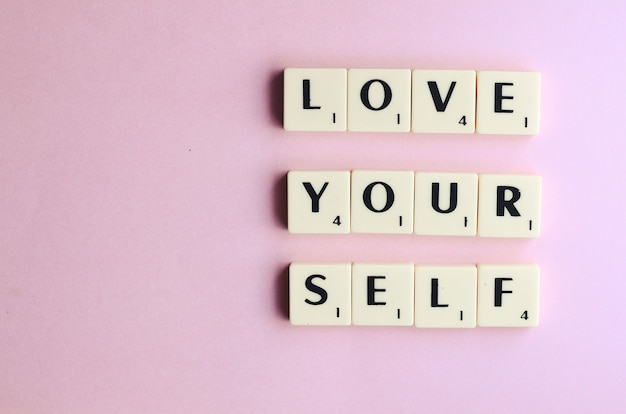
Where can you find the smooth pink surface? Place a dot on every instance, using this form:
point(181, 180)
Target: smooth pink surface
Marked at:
point(143, 249)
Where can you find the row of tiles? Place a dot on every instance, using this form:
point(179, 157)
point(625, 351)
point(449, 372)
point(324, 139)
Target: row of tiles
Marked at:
point(403, 294)
point(400, 100)
point(404, 202)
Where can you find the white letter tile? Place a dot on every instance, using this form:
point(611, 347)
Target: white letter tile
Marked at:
point(508, 295)
point(319, 293)
point(315, 99)
point(382, 201)
point(445, 296)
point(382, 294)
point(446, 204)
point(379, 100)
point(508, 103)
point(509, 205)
point(318, 201)
point(444, 101)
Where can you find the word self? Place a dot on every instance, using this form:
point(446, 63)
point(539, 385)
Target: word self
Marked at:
point(424, 203)
point(400, 100)
point(426, 296)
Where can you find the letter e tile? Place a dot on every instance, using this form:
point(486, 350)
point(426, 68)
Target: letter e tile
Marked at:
point(382, 294)
point(508, 103)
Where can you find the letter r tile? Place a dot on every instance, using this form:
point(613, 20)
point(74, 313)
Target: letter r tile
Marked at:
point(509, 205)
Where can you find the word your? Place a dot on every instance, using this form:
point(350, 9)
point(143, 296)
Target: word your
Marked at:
point(452, 296)
point(424, 203)
point(399, 100)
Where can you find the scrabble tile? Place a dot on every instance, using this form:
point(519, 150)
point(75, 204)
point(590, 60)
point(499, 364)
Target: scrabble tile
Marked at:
point(319, 293)
point(508, 103)
point(509, 205)
point(382, 294)
point(508, 295)
point(318, 201)
point(445, 296)
point(444, 101)
point(382, 201)
point(315, 99)
point(379, 100)
point(446, 203)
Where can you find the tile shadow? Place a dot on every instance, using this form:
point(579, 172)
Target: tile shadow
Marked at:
point(280, 200)
point(276, 97)
point(282, 292)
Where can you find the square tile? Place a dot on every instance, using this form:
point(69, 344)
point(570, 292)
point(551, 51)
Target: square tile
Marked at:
point(509, 205)
point(508, 295)
point(446, 203)
point(444, 101)
point(445, 296)
point(318, 201)
point(319, 293)
point(382, 201)
point(382, 294)
point(315, 99)
point(379, 100)
point(508, 103)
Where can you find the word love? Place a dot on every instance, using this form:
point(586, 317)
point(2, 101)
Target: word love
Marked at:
point(424, 203)
point(424, 101)
point(453, 296)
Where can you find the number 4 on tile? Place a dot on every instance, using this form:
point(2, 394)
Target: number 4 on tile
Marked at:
point(508, 295)
point(318, 201)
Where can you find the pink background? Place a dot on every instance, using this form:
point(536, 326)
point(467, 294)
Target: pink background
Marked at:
point(143, 247)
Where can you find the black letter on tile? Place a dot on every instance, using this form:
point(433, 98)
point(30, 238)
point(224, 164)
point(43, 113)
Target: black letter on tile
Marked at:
point(371, 290)
point(365, 98)
point(499, 97)
point(367, 197)
point(454, 187)
point(498, 291)
point(306, 95)
point(434, 92)
point(434, 294)
point(501, 203)
point(316, 289)
point(315, 197)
